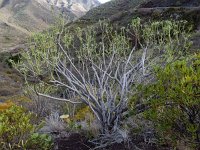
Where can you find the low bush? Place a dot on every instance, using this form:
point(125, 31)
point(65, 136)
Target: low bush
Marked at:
point(174, 102)
point(17, 130)
point(39, 141)
point(15, 127)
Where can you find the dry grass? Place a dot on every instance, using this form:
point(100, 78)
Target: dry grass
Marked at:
point(54, 123)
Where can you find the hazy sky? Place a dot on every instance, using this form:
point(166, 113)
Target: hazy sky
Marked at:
point(103, 1)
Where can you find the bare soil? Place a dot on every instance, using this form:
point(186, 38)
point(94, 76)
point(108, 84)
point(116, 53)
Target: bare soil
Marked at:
point(77, 141)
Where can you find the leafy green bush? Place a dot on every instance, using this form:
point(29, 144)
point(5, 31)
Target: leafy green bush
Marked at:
point(174, 101)
point(39, 141)
point(17, 131)
point(15, 127)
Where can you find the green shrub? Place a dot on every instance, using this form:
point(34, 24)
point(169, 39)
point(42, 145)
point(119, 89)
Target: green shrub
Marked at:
point(174, 101)
point(17, 131)
point(15, 127)
point(39, 141)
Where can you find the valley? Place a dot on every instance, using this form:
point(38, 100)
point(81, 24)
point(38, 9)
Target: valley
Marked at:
point(19, 19)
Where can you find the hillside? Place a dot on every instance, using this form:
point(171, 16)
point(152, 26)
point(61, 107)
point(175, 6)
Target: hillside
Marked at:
point(19, 18)
point(121, 12)
point(131, 83)
point(171, 3)
point(105, 11)
point(77, 7)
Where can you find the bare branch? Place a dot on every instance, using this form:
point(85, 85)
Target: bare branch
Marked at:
point(59, 99)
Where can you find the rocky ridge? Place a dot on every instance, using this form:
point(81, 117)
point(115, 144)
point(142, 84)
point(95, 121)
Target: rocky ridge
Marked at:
point(19, 18)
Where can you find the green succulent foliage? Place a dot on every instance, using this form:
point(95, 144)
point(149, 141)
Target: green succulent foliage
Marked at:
point(93, 42)
point(174, 101)
point(39, 141)
point(38, 60)
point(168, 37)
point(15, 127)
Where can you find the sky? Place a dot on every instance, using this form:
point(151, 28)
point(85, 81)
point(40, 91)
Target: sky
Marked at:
point(103, 1)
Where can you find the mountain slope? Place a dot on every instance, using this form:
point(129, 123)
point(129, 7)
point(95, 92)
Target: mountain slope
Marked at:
point(171, 3)
point(111, 8)
point(121, 12)
point(78, 7)
point(19, 18)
